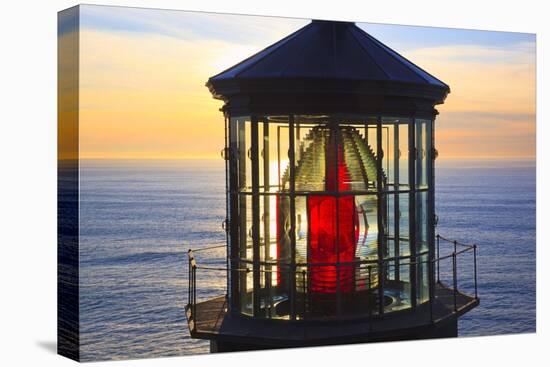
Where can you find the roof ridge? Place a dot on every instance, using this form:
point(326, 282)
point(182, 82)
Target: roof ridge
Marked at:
point(366, 52)
point(394, 55)
point(275, 47)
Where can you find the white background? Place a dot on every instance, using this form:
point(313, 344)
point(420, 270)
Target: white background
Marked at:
point(28, 44)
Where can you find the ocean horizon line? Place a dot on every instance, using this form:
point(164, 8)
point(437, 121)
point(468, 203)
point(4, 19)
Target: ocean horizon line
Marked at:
point(217, 158)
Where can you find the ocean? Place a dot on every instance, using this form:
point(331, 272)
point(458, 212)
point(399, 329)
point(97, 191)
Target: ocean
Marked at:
point(139, 218)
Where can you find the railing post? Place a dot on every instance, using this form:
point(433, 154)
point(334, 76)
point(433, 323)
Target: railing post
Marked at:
point(438, 264)
point(370, 299)
point(432, 288)
point(269, 276)
point(305, 292)
point(475, 269)
point(381, 271)
point(195, 294)
point(454, 280)
point(454, 243)
point(189, 255)
point(292, 291)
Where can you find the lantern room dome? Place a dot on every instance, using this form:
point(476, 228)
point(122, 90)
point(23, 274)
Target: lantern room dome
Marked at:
point(328, 57)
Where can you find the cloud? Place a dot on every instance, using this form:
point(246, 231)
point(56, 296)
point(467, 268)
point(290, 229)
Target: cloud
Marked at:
point(143, 94)
point(483, 79)
point(404, 38)
point(490, 80)
point(186, 25)
point(491, 109)
point(474, 134)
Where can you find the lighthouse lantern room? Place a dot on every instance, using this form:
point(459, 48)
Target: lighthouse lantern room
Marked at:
point(330, 155)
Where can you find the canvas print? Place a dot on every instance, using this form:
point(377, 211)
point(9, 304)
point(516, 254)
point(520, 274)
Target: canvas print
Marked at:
point(235, 183)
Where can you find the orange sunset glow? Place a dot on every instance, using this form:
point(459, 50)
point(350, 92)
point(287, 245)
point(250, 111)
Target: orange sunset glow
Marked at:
point(143, 73)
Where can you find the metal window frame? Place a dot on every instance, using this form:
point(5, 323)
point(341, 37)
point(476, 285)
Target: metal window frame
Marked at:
point(226, 157)
point(417, 212)
point(254, 149)
point(431, 213)
point(292, 188)
point(236, 168)
point(242, 212)
point(380, 215)
point(396, 212)
point(412, 208)
point(235, 199)
point(266, 208)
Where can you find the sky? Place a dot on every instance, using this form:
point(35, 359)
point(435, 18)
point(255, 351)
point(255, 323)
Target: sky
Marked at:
point(143, 74)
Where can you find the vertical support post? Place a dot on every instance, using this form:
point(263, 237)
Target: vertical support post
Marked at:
point(430, 208)
point(304, 296)
point(387, 129)
point(292, 181)
point(194, 306)
point(227, 207)
point(189, 277)
point(336, 139)
point(412, 210)
point(254, 150)
point(266, 214)
point(370, 298)
point(233, 253)
point(475, 270)
point(380, 217)
point(241, 231)
point(279, 183)
point(455, 280)
point(396, 245)
point(432, 289)
point(278, 268)
point(270, 294)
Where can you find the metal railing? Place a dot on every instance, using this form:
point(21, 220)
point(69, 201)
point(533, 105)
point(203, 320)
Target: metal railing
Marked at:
point(454, 256)
point(304, 310)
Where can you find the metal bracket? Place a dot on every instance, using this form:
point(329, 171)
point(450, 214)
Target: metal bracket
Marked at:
point(435, 153)
point(224, 153)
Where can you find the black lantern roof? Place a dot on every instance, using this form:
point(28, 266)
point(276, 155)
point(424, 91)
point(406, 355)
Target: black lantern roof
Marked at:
point(321, 61)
